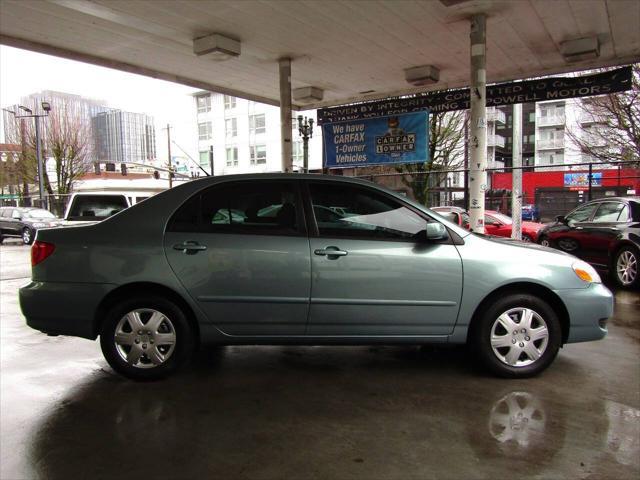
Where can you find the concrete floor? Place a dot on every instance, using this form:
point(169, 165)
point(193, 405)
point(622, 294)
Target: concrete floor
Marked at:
point(314, 412)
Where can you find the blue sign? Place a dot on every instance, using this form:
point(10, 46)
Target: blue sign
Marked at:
point(582, 179)
point(377, 141)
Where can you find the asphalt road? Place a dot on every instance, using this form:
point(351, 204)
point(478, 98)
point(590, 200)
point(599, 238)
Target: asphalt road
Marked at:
point(314, 412)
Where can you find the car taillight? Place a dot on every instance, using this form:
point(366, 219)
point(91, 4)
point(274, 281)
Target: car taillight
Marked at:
point(40, 251)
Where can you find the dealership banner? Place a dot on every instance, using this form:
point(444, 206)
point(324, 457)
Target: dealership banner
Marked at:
point(581, 180)
point(552, 88)
point(377, 141)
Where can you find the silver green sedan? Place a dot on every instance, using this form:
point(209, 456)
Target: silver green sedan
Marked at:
point(304, 259)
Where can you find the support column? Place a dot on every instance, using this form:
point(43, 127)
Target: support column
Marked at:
point(478, 127)
point(516, 173)
point(285, 114)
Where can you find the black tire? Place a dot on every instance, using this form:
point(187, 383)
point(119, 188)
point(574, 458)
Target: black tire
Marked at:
point(28, 236)
point(544, 241)
point(144, 369)
point(487, 325)
point(527, 238)
point(1, 238)
point(630, 276)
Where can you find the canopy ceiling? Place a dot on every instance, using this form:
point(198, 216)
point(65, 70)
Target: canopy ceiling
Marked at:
point(353, 50)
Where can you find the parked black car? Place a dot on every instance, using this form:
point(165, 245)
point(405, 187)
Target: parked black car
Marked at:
point(25, 222)
point(604, 232)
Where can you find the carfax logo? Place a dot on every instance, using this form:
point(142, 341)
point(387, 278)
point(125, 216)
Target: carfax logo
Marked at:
point(396, 141)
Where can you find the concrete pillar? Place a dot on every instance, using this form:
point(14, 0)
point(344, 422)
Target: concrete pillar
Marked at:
point(516, 173)
point(478, 127)
point(285, 114)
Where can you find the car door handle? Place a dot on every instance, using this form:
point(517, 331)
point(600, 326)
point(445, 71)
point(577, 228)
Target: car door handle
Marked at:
point(189, 247)
point(330, 252)
point(579, 228)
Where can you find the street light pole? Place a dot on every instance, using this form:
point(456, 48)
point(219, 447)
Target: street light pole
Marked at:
point(46, 106)
point(43, 199)
point(305, 128)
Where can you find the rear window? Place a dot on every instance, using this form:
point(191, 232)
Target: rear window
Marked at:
point(96, 207)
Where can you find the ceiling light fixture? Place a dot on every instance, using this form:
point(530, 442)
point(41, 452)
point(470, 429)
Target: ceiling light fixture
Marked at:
point(216, 47)
point(424, 75)
point(307, 94)
point(580, 49)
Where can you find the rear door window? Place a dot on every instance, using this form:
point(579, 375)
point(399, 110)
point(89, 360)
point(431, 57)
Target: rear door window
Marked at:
point(254, 208)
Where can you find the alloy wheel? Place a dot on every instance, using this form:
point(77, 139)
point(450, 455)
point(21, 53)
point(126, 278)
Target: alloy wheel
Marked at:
point(519, 337)
point(145, 338)
point(26, 236)
point(627, 267)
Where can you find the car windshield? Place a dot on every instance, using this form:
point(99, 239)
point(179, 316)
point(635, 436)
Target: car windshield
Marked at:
point(96, 207)
point(39, 213)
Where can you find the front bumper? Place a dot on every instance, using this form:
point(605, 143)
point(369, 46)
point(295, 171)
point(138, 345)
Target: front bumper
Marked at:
point(588, 308)
point(60, 308)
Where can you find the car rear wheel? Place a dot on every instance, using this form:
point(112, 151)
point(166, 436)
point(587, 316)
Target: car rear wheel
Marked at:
point(146, 338)
point(27, 236)
point(626, 267)
point(517, 336)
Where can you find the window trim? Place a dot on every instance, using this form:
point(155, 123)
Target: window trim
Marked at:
point(301, 231)
point(314, 232)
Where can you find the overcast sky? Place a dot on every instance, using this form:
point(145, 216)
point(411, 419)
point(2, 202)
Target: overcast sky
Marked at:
point(23, 72)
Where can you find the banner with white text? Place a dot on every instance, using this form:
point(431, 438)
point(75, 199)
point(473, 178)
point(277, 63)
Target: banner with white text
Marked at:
point(377, 141)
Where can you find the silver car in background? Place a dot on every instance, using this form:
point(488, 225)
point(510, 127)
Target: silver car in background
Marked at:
point(304, 259)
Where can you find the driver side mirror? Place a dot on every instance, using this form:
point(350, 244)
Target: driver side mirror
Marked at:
point(560, 219)
point(432, 232)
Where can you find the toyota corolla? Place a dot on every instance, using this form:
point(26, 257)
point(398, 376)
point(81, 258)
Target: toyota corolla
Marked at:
point(304, 259)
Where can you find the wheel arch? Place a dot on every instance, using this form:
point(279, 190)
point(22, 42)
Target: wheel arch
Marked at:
point(144, 288)
point(540, 291)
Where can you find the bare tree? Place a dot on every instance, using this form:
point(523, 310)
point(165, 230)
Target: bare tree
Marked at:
point(609, 127)
point(66, 138)
point(446, 152)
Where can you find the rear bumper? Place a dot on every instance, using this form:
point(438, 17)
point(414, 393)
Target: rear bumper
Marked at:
point(588, 308)
point(63, 308)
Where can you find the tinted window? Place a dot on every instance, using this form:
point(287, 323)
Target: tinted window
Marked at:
point(96, 207)
point(346, 211)
point(609, 212)
point(6, 212)
point(261, 208)
point(581, 214)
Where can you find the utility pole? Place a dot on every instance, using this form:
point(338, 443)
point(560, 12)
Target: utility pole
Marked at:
point(211, 159)
point(516, 173)
point(169, 155)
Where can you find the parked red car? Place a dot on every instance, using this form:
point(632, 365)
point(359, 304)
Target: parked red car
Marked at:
point(495, 223)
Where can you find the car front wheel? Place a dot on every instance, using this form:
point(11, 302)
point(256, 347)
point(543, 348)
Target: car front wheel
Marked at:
point(146, 338)
point(544, 241)
point(626, 267)
point(517, 336)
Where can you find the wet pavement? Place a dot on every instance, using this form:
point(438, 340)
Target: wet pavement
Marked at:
point(314, 412)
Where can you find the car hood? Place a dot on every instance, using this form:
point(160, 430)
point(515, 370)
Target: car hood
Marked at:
point(517, 243)
point(532, 225)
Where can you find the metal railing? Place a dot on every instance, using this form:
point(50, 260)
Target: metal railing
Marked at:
point(550, 121)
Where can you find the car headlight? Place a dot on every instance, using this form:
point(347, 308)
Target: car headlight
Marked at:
point(586, 272)
point(39, 224)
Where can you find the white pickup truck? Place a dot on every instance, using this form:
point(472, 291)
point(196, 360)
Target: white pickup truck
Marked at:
point(95, 207)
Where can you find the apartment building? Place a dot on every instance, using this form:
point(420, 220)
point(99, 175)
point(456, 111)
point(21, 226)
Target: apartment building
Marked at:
point(245, 136)
point(548, 129)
